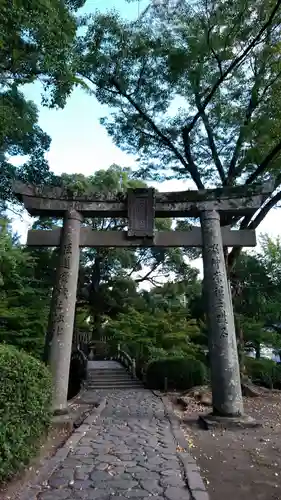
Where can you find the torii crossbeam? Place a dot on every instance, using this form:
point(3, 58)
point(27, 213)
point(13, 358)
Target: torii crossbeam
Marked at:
point(140, 207)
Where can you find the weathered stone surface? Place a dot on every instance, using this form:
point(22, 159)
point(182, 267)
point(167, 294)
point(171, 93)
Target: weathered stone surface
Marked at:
point(57, 495)
point(102, 466)
point(175, 480)
point(169, 472)
point(151, 486)
point(195, 481)
point(98, 476)
point(92, 494)
point(59, 481)
point(200, 495)
point(114, 460)
point(156, 460)
point(146, 475)
point(136, 493)
point(96, 239)
point(177, 494)
point(56, 192)
point(61, 320)
point(81, 485)
point(82, 473)
point(225, 373)
point(84, 450)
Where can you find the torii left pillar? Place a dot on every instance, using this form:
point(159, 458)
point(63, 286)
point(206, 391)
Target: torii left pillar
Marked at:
point(63, 309)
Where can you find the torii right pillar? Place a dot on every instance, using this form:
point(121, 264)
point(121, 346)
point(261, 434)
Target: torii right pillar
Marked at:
point(225, 373)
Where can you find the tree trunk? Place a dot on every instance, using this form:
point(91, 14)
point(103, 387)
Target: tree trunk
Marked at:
point(241, 346)
point(96, 332)
point(258, 350)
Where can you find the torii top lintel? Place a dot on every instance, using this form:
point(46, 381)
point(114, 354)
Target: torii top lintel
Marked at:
point(56, 201)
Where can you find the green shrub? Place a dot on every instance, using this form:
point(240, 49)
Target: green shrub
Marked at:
point(181, 373)
point(25, 396)
point(264, 372)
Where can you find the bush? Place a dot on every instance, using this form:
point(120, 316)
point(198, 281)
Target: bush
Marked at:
point(181, 373)
point(25, 410)
point(264, 372)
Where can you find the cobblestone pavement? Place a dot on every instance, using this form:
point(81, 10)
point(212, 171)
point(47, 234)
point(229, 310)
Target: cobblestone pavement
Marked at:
point(129, 453)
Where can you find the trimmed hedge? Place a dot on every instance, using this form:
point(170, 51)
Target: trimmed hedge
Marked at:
point(264, 372)
point(25, 408)
point(181, 373)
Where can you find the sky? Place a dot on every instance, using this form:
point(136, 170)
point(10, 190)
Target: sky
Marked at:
point(81, 145)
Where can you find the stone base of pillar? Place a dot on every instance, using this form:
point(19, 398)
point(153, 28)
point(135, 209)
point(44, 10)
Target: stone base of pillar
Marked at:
point(211, 421)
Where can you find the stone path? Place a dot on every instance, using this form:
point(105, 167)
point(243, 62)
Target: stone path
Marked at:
point(130, 452)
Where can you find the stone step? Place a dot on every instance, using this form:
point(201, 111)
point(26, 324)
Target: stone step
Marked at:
point(113, 382)
point(94, 376)
point(117, 375)
point(105, 372)
point(120, 379)
point(102, 385)
point(111, 378)
point(113, 387)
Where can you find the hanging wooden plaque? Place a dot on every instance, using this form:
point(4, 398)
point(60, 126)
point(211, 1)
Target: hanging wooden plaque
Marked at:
point(141, 212)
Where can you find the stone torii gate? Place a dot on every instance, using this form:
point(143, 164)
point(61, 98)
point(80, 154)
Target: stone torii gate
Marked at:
point(140, 207)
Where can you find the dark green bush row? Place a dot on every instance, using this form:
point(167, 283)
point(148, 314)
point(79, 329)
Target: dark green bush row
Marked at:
point(25, 396)
point(181, 373)
point(264, 372)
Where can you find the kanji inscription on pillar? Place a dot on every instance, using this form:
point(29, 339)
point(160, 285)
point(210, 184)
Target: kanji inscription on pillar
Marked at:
point(141, 212)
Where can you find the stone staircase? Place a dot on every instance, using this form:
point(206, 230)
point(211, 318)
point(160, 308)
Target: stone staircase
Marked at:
point(109, 375)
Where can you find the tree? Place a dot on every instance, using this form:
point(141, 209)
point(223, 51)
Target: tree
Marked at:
point(193, 91)
point(146, 336)
point(109, 277)
point(25, 291)
point(36, 40)
point(21, 135)
point(256, 298)
point(270, 258)
point(161, 324)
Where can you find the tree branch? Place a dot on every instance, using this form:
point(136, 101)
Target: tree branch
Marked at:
point(93, 83)
point(213, 50)
point(142, 253)
point(189, 157)
point(235, 252)
point(234, 65)
point(232, 256)
point(264, 211)
point(275, 79)
point(210, 136)
point(140, 77)
point(195, 175)
point(264, 164)
point(253, 103)
point(147, 275)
